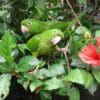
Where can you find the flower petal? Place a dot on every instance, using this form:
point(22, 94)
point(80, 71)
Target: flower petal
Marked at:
point(98, 41)
point(90, 55)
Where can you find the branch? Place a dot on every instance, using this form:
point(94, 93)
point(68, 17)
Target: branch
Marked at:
point(75, 15)
point(96, 4)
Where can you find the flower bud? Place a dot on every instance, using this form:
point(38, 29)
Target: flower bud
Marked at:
point(87, 35)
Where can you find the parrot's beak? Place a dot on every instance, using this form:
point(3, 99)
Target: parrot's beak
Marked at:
point(24, 29)
point(56, 40)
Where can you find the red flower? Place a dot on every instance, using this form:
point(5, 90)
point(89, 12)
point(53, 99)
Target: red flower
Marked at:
point(98, 41)
point(90, 55)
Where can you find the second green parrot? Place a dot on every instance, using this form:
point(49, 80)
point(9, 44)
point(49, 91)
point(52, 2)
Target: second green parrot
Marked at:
point(46, 42)
point(35, 26)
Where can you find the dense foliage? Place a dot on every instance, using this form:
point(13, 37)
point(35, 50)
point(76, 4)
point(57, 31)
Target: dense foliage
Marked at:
point(59, 72)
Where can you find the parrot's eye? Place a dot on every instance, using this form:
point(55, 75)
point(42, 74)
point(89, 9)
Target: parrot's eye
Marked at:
point(55, 31)
point(29, 23)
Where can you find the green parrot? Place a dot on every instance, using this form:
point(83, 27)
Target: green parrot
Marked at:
point(35, 26)
point(46, 42)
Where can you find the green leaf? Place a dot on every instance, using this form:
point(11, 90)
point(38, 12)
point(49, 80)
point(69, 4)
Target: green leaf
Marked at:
point(81, 1)
point(35, 84)
point(63, 91)
point(1, 28)
point(76, 43)
point(23, 47)
point(92, 88)
point(60, 61)
point(82, 30)
point(74, 94)
point(75, 75)
point(43, 73)
point(56, 69)
point(41, 8)
point(88, 78)
point(52, 71)
point(7, 44)
point(2, 60)
point(29, 80)
point(4, 85)
point(97, 33)
point(42, 63)
point(27, 63)
point(54, 1)
point(24, 82)
point(53, 83)
point(7, 68)
point(30, 4)
point(96, 74)
point(45, 95)
point(29, 76)
point(80, 76)
point(3, 13)
point(77, 62)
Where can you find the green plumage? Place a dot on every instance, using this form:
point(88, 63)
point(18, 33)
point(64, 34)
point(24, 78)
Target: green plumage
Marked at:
point(42, 44)
point(36, 26)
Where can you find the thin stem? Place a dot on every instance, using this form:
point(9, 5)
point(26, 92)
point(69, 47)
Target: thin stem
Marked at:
point(65, 50)
point(34, 71)
point(96, 4)
point(5, 27)
point(67, 61)
point(75, 15)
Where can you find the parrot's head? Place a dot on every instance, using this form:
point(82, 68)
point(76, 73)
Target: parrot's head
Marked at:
point(29, 25)
point(57, 36)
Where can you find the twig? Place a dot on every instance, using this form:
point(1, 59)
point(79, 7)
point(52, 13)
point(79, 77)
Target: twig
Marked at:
point(5, 27)
point(75, 15)
point(65, 50)
point(33, 71)
point(66, 58)
point(96, 4)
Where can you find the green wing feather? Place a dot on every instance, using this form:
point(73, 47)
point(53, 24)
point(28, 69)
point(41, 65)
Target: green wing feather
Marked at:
point(33, 43)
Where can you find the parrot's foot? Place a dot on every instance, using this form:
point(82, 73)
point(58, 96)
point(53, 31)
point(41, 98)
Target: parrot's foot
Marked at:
point(64, 50)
